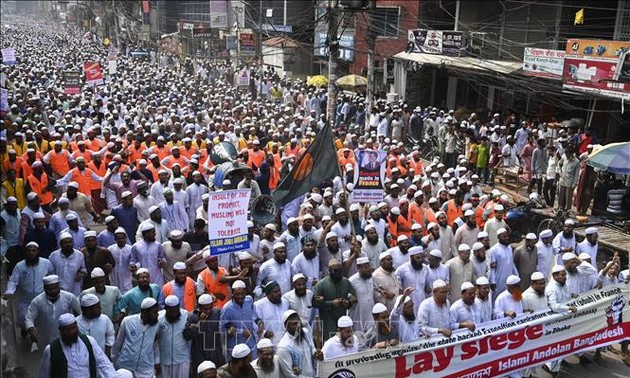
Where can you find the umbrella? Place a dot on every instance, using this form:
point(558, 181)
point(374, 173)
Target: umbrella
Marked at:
point(317, 81)
point(352, 81)
point(614, 157)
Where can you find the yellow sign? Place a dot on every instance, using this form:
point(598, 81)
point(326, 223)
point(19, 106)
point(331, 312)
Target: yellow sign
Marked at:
point(106, 41)
point(579, 17)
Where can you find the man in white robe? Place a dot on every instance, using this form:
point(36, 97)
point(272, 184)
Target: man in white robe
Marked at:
point(361, 312)
point(484, 299)
point(589, 245)
point(268, 312)
point(414, 274)
point(509, 303)
point(92, 322)
point(465, 311)
point(460, 270)
point(545, 252)
point(343, 343)
point(502, 261)
point(434, 314)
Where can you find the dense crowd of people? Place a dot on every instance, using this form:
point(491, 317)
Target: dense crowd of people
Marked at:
point(330, 277)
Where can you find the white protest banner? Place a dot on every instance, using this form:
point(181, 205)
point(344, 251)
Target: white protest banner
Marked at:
point(4, 101)
point(543, 63)
point(8, 56)
point(502, 346)
point(227, 221)
point(112, 67)
point(369, 176)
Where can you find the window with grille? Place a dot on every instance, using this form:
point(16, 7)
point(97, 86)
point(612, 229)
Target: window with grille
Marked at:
point(385, 22)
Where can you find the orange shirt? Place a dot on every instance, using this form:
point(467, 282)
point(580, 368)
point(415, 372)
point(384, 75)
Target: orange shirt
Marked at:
point(213, 286)
point(452, 212)
point(190, 299)
point(94, 145)
point(38, 186)
point(256, 158)
point(59, 162)
point(17, 165)
point(101, 171)
point(84, 179)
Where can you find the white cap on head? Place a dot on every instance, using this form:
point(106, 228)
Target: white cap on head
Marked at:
point(557, 268)
point(584, 256)
point(238, 284)
point(569, 256)
point(477, 246)
point(531, 236)
point(206, 365)
point(109, 218)
point(180, 265)
point(71, 216)
point(51, 279)
point(438, 284)
point(270, 226)
point(415, 250)
point(73, 184)
point(171, 301)
point(569, 222)
point(482, 234)
point(310, 216)
point(32, 244)
point(498, 207)
point(120, 230)
point(297, 277)
point(264, 343)
point(340, 210)
point(344, 322)
point(378, 308)
point(291, 220)
point(469, 213)
point(176, 235)
point(89, 300)
point(141, 271)
point(39, 216)
point(147, 227)
point(97, 272)
point(513, 280)
point(286, 315)
point(591, 231)
point(363, 260)
point(66, 319)
point(402, 237)
point(148, 303)
point(240, 351)
point(126, 194)
point(501, 230)
point(205, 299)
point(463, 247)
point(546, 234)
point(383, 255)
point(89, 234)
point(436, 253)
point(243, 255)
point(482, 281)
point(416, 226)
point(467, 285)
point(537, 276)
point(331, 234)
point(65, 235)
point(63, 201)
point(153, 208)
point(277, 245)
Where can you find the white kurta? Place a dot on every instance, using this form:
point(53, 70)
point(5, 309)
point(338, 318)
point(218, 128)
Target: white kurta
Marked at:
point(485, 308)
point(410, 277)
point(385, 281)
point(101, 329)
point(431, 317)
point(333, 348)
point(271, 270)
point(271, 316)
point(462, 312)
point(532, 301)
point(586, 247)
point(77, 357)
point(506, 302)
point(545, 259)
point(361, 312)
point(309, 268)
point(502, 255)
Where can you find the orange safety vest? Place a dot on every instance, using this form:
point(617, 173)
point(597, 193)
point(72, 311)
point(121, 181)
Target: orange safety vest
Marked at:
point(38, 186)
point(84, 179)
point(215, 286)
point(415, 213)
point(274, 177)
point(93, 145)
point(393, 231)
point(187, 152)
point(136, 153)
point(190, 298)
point(403, 225)
point(256, 158)
point(26, 169)
point(59, 162)
point(102, 171)
point(181, 160)
point(418, 169)
point(452, 212)
point(17, 165)
point(161, 152)
point(86, 155)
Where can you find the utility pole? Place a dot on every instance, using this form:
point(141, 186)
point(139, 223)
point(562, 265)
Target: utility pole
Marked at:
point(371, 42)
point(333, 51)
point(261, 60)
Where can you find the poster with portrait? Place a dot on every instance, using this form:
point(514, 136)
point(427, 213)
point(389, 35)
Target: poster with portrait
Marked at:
point(369, 175)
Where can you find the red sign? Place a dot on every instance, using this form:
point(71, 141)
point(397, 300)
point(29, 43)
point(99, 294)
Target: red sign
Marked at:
point(590, 66)
point(93, 73)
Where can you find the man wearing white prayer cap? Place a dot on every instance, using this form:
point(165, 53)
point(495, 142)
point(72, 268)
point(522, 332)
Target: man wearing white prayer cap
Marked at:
point(69, 263)
point(434, 315)
point(382, 334)
point(237, 318)
point(363, 285)
point(131, 302)
point(155, 219)
point(502, 259)
point(174, 357)
point(509, 303)
point(27, 280)
point(79, 354)
point(121, 251)
point(526, 259)
point(74, 230)
point(589, 245)
point(343, 343)
point(534, 298)
point(565, 241)
point(460, 270)
point(297, 342)
point(182, 286)
point(239, 365)
point(300, 298)
point(484, 298)
point(96, 256)
point(42, 313)
point(276, 269)
point(403, 317)
point(545, 252)
point(581, 276)
point(465, 311)
point(386, 284)
point(207, 369)
point(175, 249)
point(206, 341)
point(437, 270)
point(92, 322)
point(148, 253)
point(266, 365)
point(133, 348)
point(494, 224)
point(414, 273)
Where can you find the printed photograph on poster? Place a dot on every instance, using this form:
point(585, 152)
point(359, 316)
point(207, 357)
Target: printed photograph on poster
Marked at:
point(227, 221)
point(369, 175)
point(71, 82)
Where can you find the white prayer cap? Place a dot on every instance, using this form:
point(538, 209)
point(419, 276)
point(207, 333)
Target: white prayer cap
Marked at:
point(557, 268)
point(513, 280)
point(370, 227)
point(331, 234)
point(569, 222)
point(340, 211)
point(250, 224)
point(63, 201)
point(415, 250)
point(482, 234)
point(286, 315)
point(469, 213)
point(11, 199)
point(467, 285)
point(176, 234)
point(297, 277)
point(152, 209)
point(147, 227)
point(205, 196)
point(482, 281)
point(436, 253)
point(355, 207)
point(171, 301)
point(109, 218)
point(382, 205)
point(498, 207)
point(71, 216)
point(452, 192)
point(205, 299)
point(97, 272)
point(291, 220)
point(378, 308)
point(243, 255)
point(416, 226)
point(73, 184)
point(240, 351)
point(327, 193)
point(66, 319)
point(395, 210)
point(384, 255)
point(437, 215)
point(65, 235)
point(148, 303)
point(264, 343)
point(463, 247)
point(317, 197)
point(123, 373)
point(310, 216)
point(126, 194)
point(270, 226)
point(141, 271)
point(32, 195)
point(89, 300)
point(32, 244)
point(591, 231)
point(402, 237)
point(120, 230)
point(477, 246)
point(431, 225)
point(51, 279)
point(438, 284)
point(344, 322)
point(537, 276)
point(277, 245)
point(569, 256)
point(90, 234)
point(39, 216)
point(531, 236)
point(178, 180)
point(584, 256)
point(363, 260)
point(501, 230)
point(179, 266)
point(238, 284)
point(546, 234)
point(206, 365)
